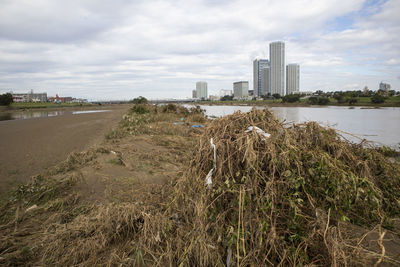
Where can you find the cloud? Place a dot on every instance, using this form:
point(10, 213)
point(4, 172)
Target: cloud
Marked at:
point(100, 50)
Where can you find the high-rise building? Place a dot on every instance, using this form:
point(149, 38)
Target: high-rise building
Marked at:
point(201, 90)
point(265, 81)
point(194, 94)
point(277, 67)
point(258, 66)
point(292, 78)
point(241, 89)
point(384, 86)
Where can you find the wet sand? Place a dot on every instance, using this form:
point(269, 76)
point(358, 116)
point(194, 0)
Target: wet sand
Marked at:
point(29, 147)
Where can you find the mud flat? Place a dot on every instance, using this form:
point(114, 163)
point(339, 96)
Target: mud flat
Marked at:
point(28, 147)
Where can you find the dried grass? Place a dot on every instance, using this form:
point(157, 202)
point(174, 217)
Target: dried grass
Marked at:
point(286, 200)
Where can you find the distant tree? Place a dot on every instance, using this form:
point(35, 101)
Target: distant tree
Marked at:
point(227, 98)
point(319, 92)
point(378, 98)
point(276, 96)
point(6, 99)
point(291, 98)
point(139, 100)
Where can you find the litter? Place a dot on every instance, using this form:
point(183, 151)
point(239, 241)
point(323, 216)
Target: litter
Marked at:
point(197, 126)
point(209, 175)
point(179, 123)
point(258, 130)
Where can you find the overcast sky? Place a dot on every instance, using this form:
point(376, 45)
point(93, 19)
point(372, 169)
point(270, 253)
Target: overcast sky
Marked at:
point(121, 49)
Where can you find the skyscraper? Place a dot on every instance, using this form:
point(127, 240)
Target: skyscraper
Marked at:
point(265, 81)
point(277, 69)
point(258, 66)
point(292, 78)
point(201, 90)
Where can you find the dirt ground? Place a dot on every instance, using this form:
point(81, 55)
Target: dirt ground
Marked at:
point(28, 147)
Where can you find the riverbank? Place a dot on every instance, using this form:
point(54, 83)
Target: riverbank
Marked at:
point(157, 192)
point(361, 102)
point(29, 147)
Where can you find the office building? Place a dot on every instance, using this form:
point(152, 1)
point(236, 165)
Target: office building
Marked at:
point(384, 86)
point(265, 82)
point(194, 94)
point(241, 89)
point(258, 66)
point(292, 78)
point(277, 67)
point(201, 90)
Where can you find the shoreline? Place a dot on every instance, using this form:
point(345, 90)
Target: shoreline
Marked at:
point(279, 104)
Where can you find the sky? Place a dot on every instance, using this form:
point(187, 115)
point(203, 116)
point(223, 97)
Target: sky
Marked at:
point(122, 49)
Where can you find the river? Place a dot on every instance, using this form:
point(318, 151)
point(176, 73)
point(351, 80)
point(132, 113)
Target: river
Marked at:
point(380, 126)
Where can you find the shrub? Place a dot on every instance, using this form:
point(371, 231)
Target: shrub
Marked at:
point(140, 109)
point(139, 100)
point(291, 98)
point(377, 99)
point(6, 99)
point(314, 100)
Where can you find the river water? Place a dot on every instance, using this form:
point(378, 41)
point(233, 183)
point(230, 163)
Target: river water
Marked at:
point(380, 126)
point(23, 115)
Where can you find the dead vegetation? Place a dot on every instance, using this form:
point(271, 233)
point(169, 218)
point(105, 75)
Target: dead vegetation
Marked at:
point(294, 195)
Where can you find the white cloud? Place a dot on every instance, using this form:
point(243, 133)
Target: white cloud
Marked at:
point(96, 49)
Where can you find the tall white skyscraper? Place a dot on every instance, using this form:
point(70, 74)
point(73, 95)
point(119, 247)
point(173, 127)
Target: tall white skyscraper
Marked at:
point(277, 67)
point(201, 90)
point(258, 66)
point(292, 78)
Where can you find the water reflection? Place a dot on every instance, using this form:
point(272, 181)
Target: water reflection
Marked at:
point(23, 115)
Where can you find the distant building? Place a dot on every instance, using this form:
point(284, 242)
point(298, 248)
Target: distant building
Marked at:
point(292, 78)
point(258, 66)
point(384, 86)
point(265, 81)
point(201, 90)
point(194, 94)
point(224, 92)
point(30, 97)
point(58, 99)
point(214, 97)
point(241, 89)
point(277, 71)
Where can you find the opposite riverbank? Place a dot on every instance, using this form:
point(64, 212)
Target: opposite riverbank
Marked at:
point(393, 101)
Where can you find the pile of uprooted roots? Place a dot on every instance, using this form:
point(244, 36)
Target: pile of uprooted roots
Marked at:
point(272, 195)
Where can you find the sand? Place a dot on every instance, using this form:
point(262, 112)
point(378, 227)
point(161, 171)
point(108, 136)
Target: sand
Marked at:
point(29, 147)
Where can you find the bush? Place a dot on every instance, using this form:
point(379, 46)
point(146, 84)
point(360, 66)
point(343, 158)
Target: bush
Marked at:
point(291, 98)
point(227, 98)
point(6, 99)
point(353, 101)
point(139, 100)
point(377, 99)
point(314, 100)
point(276, 96)
point(140, 109)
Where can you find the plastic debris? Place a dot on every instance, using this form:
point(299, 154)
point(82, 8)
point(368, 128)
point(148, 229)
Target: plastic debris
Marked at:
point(179, 123)
point(209, 175)
point(197, 126)
point(258, 130)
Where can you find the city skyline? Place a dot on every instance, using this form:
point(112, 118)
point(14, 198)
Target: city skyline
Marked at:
point(94, 51)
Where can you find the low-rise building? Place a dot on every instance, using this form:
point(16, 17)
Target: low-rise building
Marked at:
point(30, 97)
